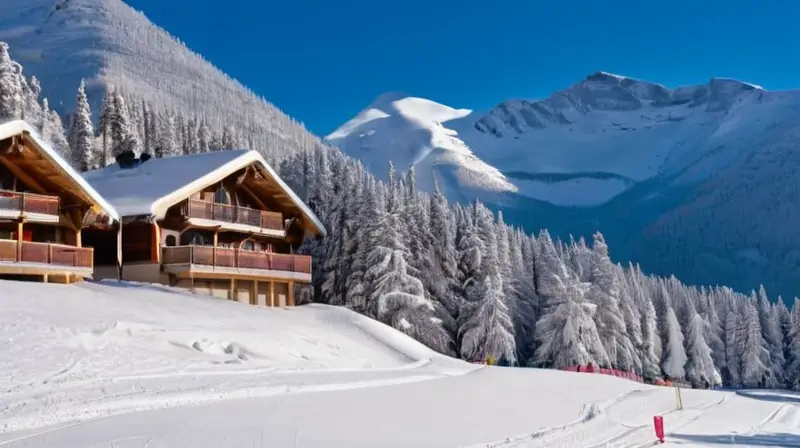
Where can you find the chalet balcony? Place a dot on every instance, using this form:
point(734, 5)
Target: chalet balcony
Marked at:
point(33, 207)
point(236, 262)
point(43, 257)
point(271, 222)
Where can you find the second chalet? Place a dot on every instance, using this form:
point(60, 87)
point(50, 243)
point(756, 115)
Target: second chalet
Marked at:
point(220, 223)
point(45, 207)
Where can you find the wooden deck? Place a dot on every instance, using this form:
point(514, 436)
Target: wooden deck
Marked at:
point(34, 207)
point(233, 214)
point(31, 258)
point(221, 262)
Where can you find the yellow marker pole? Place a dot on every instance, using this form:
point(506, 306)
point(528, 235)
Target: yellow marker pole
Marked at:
point(678, 401)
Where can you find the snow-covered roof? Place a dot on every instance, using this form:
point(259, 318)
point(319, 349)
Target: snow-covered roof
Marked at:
point(157, 184)
point(9, 129)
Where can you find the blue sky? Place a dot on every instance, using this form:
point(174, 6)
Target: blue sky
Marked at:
point(323, 61)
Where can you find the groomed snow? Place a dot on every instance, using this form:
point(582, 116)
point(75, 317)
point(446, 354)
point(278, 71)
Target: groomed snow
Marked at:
point(134, 365)
point(155, 185)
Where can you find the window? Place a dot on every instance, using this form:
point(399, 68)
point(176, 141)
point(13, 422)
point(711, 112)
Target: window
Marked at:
point(171, 240)
point(221, 196)
point(196, 237)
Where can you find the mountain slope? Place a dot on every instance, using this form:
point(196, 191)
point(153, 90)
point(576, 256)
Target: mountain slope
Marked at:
point(110, 44)
point(419, 133)
point(672, 176)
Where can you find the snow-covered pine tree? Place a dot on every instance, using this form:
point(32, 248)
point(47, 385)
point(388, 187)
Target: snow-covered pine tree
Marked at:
point(469, 253)
point(784, 317)
point(52, 131)
point(700, 370)
point(674, 357)
point(489, 331)
point(771, 333)
point(123, 131)
point(755, 363)
point(394, 296)
point(81, 133)
point(357, 289)
point(11, 92)
point(651, 340)
point(793, 371)
point(488, 303)
point(108, 114)
point(443, 253)
point(604, 293)
point(566, 332)
point(167, 141)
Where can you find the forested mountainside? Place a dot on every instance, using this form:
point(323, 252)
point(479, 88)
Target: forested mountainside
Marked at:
point(457, 277)
point(113, 47)
point(696, 180)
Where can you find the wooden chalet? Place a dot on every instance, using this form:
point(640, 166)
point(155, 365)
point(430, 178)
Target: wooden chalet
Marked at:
point(45, 206)
point(221, 223)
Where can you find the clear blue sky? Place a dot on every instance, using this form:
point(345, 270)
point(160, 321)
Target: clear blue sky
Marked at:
point(323, 61)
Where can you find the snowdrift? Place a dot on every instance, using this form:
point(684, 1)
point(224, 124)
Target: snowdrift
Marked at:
point(98, 349)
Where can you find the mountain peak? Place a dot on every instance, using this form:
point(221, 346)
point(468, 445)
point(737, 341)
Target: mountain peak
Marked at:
point(605, 76)
point(388, 98)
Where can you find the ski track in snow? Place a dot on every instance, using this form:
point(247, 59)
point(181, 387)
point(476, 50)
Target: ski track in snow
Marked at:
point(108, 364)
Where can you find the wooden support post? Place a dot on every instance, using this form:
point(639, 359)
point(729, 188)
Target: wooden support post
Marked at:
point(214, 250)
point(78, 238)
point(44, 278)
point(232, 290)
point(290, 299)
point(19, 241)
point(155, 247)
point(271, 293)
point(254, 298)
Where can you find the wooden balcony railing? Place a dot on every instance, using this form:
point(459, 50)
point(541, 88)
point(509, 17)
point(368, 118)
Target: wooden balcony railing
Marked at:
point(235, 258)
point(193, 208)
point(29, 203)
point(46, 253)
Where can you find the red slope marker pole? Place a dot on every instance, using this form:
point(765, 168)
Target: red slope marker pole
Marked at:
point(658, 423)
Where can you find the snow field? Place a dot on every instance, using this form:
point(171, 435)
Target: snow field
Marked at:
point(134, 365)
point(92, 350)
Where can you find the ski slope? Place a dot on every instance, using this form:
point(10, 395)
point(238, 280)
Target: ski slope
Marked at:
point(134, 365)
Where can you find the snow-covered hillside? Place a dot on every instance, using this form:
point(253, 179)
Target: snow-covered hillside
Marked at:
point(625, 156)
point(110, 44)
point(98, 349)
point(120, 364)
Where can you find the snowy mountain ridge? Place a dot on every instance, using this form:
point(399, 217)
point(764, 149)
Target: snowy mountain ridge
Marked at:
point(632, 158)
point(590, 133)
